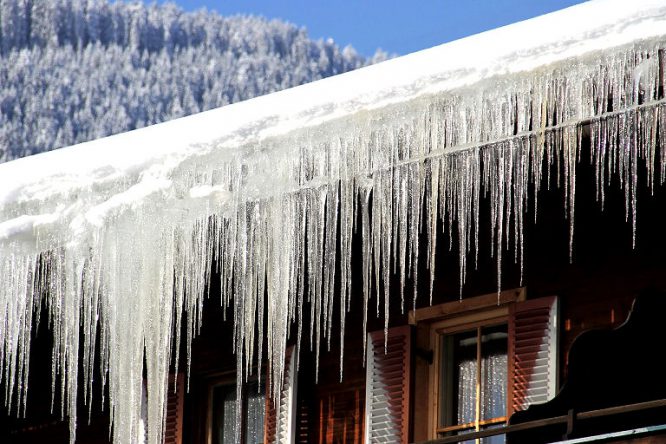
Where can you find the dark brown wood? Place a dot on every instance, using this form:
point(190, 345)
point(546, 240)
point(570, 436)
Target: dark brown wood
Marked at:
point(623, 409)
point(422, 390)
point(571, 422)
point(173, 428)
point(330, 410)
point(464, 306)
point(608, 368)
point(270, 416)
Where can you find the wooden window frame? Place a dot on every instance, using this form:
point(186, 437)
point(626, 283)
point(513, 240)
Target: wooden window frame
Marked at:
point(453, 317)
point(225, 379)
point(495, 317)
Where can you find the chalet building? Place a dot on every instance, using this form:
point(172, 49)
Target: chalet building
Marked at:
point(464, 244)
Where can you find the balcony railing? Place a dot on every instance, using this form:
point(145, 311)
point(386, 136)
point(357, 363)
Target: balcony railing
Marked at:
point(569, 419)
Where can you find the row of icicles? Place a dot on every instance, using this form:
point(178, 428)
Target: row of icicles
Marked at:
point(282, 237)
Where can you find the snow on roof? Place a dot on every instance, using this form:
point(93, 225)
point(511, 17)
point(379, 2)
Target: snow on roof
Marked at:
point(121, 232)
point(524, 46)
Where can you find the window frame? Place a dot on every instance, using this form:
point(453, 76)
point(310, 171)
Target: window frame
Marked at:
point(448, 318)
point(228, 379)
point(495, 318)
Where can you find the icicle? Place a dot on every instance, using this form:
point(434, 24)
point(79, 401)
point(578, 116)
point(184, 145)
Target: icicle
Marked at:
point(366, 249)
point(432, 218)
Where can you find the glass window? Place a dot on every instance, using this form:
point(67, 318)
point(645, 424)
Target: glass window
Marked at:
point(473, 381)
point(226, 426)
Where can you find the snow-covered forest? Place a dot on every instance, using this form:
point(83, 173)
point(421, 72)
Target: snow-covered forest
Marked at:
point(76, 70)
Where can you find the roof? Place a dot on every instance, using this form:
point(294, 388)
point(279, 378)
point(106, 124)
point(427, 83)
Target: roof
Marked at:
point(121, 232)
point(233, 130)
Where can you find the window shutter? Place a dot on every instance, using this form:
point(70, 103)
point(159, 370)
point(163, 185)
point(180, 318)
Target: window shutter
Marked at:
point(533, 352)
point(280, 417)
point(387, 387)
point(304, 419)
point(173, 427)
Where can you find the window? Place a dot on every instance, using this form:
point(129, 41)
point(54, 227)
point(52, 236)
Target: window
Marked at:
point(479, 360)
point(260, 421)
point(473, 380)
point(229, 427)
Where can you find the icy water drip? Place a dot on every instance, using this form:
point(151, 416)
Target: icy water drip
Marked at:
point(124, 265)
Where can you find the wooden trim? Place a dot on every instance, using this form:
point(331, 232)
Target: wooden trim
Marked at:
point(180, 383)
point(228, 379)
point(471, 425)
point(500, 431)
point(470, 322)
point(433, 382)
point(467, 305)
point(209, 414)
point(213, 380)
point(477, 402)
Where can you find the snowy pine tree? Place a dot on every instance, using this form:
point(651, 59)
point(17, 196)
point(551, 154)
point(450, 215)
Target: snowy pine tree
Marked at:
point(76, 70)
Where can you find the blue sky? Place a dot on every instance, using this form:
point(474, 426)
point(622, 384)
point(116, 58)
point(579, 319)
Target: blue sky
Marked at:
point(396, 26)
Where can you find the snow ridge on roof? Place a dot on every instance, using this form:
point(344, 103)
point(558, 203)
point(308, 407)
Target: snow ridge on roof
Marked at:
point(523, 46)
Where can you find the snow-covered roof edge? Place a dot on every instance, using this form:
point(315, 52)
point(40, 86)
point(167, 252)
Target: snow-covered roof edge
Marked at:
point(118, 235)
point(523, 46)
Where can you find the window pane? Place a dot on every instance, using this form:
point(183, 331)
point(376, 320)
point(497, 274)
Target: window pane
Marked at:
point(494, 369)
point(466, 390)
point(224, 414)
point(254, 419)
point(226, 426)
point(459, 368)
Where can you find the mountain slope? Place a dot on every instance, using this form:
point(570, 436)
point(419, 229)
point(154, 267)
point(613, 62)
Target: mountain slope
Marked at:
point(76, 70)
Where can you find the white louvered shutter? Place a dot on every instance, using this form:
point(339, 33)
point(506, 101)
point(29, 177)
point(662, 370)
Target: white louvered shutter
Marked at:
point(533, 352)
point(280, 416)
point(387, 387)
